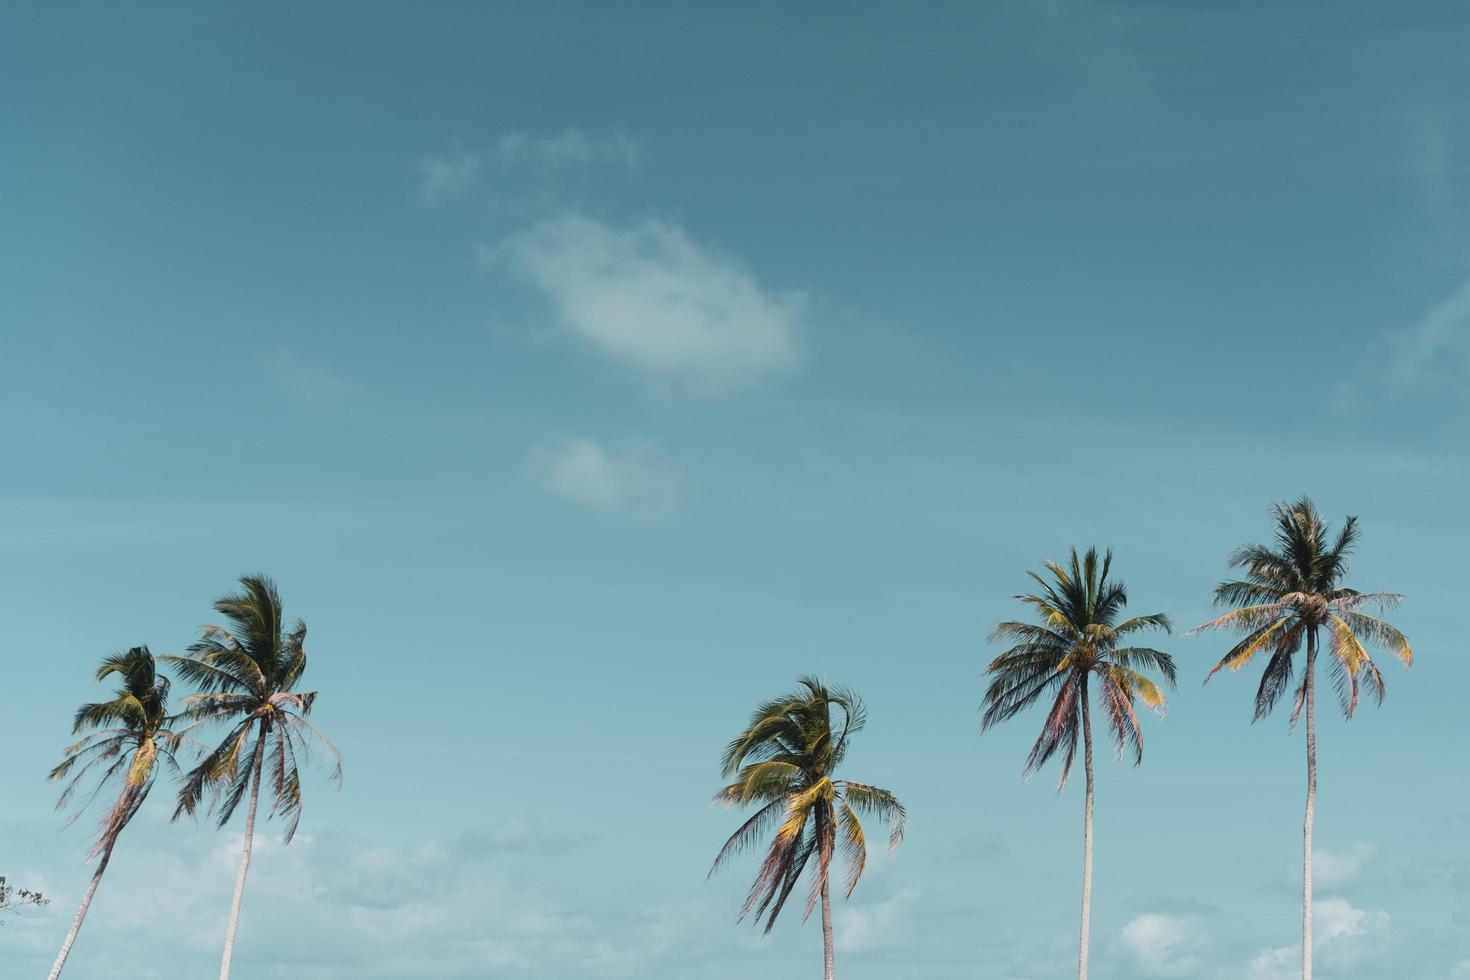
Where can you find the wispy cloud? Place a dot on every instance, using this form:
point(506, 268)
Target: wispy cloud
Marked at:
point(675, 311)
point(634, 478)
point(1442, 335)
point(1333, 869)
point(458, 170)
point(865, 926)
point(1162, 945)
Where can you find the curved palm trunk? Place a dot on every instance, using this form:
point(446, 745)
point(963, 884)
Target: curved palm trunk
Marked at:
point(1311, 809)
point(255, 764)
point(826, 932)
point(1086, 837)
point(76, 924)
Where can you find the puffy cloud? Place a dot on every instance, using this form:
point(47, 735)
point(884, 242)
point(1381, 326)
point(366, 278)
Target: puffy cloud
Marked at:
point(654, 300)
point(1162, 945)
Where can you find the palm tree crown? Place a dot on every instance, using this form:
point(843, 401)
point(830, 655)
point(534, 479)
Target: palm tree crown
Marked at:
point(128, 736)
point(785, 760)
point(1079, 636)
point(245, 674)
point(1290, 592)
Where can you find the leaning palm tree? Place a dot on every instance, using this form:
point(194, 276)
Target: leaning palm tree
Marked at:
point(127, 737)
point(245, 674)
point(784, 761)
point(1079, 637)
point(1289, 594)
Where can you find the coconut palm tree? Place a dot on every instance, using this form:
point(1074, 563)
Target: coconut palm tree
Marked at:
point(1290, 595)
point(245, 674)
point(1079, 637)
point(784, 761)
point(127, 737)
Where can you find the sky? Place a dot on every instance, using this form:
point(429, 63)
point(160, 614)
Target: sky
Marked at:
point(585, 373)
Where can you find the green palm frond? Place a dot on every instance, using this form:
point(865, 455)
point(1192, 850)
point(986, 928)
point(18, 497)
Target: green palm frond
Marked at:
point(244, 673)
point(1293, 590)
point(785, 761)
point(1081, 634)
point(126, 738)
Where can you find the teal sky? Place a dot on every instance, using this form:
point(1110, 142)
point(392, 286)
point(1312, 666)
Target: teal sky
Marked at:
point(584, 373)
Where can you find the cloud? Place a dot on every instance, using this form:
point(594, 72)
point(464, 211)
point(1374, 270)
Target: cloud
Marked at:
point(338, 905)
point(1341, 932)
point(1162, 945)
point(448, 174)
point(569, 149)
point(1276, 963)
point(458, 170)
point(862, 927)
point(1333, 869)
point(1444, 333)
point(657, 302)
point(632, 479)
point(1334, 919)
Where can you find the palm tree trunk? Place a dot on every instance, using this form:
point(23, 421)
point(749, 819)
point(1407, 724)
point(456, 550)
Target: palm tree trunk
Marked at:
point(1086, 837)
point(255, 764)
point(1311, 808)
point(826, 931)
point(76, 924)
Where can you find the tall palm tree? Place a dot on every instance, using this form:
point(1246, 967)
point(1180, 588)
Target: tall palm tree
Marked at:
point(1079, 637)
point(127, 737)
point(245, 674)
point(1288, 595)
point(784, 760)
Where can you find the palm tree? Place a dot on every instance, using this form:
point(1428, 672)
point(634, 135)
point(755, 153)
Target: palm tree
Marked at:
point(1079, 636)
point(1290, 593)
point(128, 736)
point(784, 760)
point(245, 674)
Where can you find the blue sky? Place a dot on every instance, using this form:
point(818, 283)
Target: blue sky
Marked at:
point(585, 373)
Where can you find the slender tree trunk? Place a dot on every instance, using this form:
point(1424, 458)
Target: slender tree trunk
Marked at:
point(1086, 836)
point(76, 924)
point(224, 968)
point(1311, 808)
point(826, 931)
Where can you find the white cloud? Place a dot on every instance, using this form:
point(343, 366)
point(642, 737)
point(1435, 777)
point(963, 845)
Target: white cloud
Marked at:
point(1340, 934)
point(1334, 919)
point(633, 478)
point(861, 927)
point(1460, 971)
point(1277, 963)
point(1162, 945)
point(1443, 333)
point(335, 905)
point(459, 170)
point(654, 300)
point(1332, 869)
